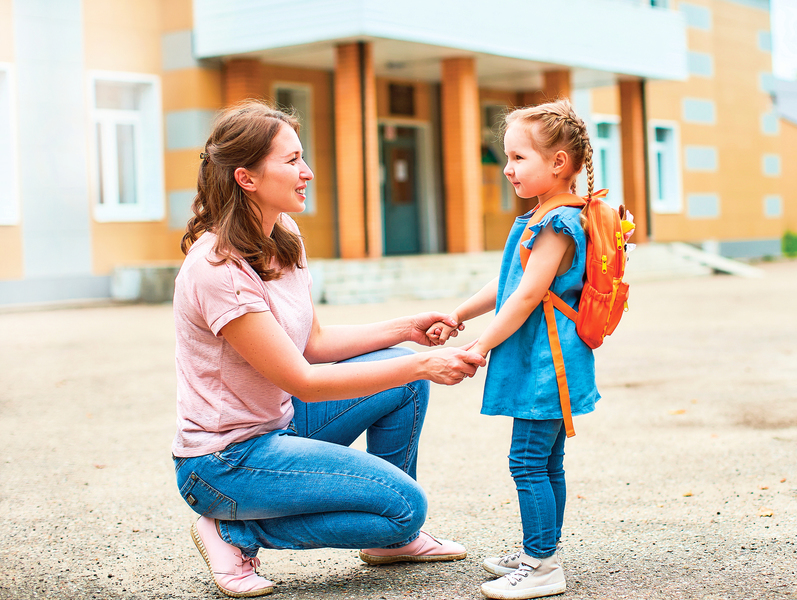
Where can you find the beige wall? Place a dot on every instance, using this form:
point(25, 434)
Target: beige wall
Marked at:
point(740, 103)
point(126, 36)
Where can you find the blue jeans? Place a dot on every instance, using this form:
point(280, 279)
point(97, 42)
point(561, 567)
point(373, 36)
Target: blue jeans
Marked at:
point(305, 488)
point(536, 461)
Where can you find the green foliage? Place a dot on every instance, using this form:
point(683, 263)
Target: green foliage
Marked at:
point(789, 243)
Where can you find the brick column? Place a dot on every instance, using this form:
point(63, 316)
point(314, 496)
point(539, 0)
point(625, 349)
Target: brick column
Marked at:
point(349, 151)
point(373, 191)
point(632, 131)
point(242, 79)
point(462, 156)
point(556, 84)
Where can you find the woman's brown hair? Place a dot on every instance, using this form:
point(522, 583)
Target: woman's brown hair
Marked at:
point(560, 129)
point(242, 136)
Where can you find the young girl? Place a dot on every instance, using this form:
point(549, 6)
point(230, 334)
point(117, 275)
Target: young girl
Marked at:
point(546, 147)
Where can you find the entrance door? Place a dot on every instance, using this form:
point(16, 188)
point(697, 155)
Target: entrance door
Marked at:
point(400, 189)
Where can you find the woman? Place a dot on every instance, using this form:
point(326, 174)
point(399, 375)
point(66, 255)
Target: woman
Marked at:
point(261, 450)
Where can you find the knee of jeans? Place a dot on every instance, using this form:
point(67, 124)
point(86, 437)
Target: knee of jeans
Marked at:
point(416, 509)
point(519, 468)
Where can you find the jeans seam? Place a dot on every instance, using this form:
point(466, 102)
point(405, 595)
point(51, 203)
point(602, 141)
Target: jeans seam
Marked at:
point(412, 441)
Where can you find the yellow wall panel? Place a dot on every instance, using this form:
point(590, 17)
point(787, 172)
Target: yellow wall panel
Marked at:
point(11, 251)
point(180, 169)
point(123, 36)
point(178, 15)
point(192, 89)
point(115, 244)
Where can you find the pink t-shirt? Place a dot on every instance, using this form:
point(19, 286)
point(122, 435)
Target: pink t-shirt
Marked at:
point(221, 398)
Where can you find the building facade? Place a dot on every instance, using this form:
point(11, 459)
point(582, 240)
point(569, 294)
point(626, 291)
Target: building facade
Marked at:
point(105, 106)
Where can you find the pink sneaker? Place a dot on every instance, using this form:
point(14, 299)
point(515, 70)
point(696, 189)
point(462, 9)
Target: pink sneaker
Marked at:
point(233, 572)
point(424, 548)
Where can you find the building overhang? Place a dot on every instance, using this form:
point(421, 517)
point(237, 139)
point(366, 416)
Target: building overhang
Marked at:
point(512, 42)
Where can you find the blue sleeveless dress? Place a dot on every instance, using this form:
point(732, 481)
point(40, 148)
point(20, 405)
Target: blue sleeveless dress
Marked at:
point(521, 378)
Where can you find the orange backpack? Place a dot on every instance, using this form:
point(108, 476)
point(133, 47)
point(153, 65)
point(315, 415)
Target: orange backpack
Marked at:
point(604, 297)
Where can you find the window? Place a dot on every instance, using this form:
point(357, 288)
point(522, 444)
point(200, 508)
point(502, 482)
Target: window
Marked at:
point(606, 158)
point(9, 191)
point(296, 99)
point(493, 150)
point(664, 167)
point(127, 145)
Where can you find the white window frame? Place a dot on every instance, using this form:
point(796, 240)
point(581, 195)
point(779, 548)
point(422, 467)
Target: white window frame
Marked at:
point(674, 203)
point(9, 158)
point(147, 122)
point(306, 135)
point(613, 148)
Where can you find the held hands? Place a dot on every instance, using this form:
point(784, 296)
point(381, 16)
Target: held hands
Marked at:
point(423, 323)
point(443, 329)
point(449, 366)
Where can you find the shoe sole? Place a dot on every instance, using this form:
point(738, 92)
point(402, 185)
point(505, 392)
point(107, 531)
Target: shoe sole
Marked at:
point(201, 547)
point(384, 560)
point(537, 592)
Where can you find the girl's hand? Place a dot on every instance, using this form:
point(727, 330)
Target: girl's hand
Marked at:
point(449, 366)
point(424, 325)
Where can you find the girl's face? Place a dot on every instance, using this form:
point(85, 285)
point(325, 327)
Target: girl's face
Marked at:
point(527, 170)
point(281, 183)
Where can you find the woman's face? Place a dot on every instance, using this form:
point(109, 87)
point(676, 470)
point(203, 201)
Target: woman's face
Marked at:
point(281, 183)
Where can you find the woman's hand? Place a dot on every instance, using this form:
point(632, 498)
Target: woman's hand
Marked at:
point(449, 366)
point(421, 324)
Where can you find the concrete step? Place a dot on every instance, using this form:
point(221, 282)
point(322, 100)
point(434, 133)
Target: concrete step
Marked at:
point(338, 281)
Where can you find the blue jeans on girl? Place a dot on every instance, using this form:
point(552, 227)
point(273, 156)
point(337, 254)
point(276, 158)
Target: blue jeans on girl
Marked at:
point(536, 462)
point(305, 488)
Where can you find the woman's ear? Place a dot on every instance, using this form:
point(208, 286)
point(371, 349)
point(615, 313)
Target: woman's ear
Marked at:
point(244, 179)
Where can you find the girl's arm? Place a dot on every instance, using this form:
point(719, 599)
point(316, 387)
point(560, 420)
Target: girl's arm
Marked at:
point(544, 261)
point(260, 340)
point(481, 302)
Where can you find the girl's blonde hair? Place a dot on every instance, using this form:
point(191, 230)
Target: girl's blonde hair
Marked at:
point(560, 128)
point(242, 137)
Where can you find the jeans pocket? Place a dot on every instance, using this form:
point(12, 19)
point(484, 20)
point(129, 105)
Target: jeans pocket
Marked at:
point(206, 500)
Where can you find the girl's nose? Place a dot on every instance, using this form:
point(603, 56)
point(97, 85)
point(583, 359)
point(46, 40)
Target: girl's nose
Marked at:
point(507, 170)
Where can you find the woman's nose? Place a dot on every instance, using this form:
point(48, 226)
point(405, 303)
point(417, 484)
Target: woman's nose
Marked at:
point(306, 172)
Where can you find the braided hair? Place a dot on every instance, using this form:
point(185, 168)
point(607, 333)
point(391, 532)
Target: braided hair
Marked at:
point(560, 129)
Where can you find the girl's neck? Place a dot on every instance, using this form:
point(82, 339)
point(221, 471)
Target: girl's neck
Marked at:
point(562, 188)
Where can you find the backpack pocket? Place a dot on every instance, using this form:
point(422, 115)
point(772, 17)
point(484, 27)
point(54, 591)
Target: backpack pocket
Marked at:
point(599, 313)
point(618, 306)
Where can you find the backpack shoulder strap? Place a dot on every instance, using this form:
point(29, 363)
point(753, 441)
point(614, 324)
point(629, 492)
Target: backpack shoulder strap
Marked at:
point(557, 201)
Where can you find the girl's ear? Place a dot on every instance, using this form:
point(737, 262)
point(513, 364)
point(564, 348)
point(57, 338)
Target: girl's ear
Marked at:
point(244, 179)
point(561, 162)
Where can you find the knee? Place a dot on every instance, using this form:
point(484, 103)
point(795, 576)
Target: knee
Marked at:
point(416, 506)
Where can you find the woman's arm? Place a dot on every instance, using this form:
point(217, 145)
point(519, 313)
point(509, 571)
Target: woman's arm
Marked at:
point(260, 340)
point(481, 302)
point(332, 343)
point(544, 261)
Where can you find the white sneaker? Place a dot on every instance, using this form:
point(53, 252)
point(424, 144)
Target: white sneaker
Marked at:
point(534, 578)
point(502, 565)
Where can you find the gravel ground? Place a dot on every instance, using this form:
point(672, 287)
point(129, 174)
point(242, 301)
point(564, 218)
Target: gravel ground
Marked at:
point(682, 485)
